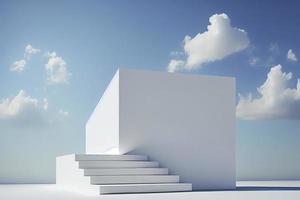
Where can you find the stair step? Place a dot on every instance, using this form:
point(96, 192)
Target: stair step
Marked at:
point(125, 171)
point(79, 157)
point(142, 188)
point(116, 164)
point(134, 179)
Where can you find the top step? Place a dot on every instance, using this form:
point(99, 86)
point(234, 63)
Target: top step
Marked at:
point(81, 157)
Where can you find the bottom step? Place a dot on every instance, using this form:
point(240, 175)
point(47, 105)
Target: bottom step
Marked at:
point(142, 188)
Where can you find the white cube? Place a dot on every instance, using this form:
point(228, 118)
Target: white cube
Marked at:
point(186, 122)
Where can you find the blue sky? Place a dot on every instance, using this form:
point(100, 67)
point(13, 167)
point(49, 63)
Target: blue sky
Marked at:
point(75, 47)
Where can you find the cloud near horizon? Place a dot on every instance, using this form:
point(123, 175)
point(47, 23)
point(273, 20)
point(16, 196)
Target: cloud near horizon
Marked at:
point(276, 100)
point(23, 110)
point(219, 41)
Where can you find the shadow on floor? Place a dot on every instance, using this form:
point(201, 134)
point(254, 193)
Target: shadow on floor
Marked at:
point(255, 188)
point(265, 188)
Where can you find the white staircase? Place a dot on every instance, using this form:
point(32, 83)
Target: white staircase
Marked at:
point(115, 174)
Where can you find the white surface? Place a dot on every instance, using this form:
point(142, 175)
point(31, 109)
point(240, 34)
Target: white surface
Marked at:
point(109, 157)
point(70, 177)
point(126, 179)
point(142, 188)
point(125, 171)
point(50, 192)
point(102, 128)
point(116, 164)
point(185, 122)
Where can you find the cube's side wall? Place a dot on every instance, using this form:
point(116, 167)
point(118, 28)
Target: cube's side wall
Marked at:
point(185, 122)
point(102, 128)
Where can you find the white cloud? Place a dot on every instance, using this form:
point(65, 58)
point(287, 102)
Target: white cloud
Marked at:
point(291, 56)
point(18, 66)
point(24, 111)
point(64, 113)
point(219, 41)
point(175, 65)
point(56, 69)
point(18, 105)
point(276, 100)
point(30, 50)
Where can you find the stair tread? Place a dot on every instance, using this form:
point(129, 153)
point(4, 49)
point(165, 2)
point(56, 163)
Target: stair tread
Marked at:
point(129, 176)
point(123, 179)
point(117, 164)
point(107, 157)
point(125, 171)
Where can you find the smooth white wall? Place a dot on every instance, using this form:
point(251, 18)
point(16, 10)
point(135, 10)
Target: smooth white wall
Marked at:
point(102, 128)
point(186, 122)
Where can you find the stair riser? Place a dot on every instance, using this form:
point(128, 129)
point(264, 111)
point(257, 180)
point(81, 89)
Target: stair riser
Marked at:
point(133, 179)
point(126, 171)
point(116, 164)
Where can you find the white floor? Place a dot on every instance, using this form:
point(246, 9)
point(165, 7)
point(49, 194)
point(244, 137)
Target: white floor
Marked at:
point(275, 190)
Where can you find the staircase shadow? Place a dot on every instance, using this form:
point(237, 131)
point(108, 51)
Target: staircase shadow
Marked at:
point(266, 188)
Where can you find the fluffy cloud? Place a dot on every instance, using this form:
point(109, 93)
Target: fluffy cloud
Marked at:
point(276, 100)
point(291, 56)
point(22, 110)
point(56, 69)
point(219, 41)
point(175, 65)
point(29, 50)
point(18, 66)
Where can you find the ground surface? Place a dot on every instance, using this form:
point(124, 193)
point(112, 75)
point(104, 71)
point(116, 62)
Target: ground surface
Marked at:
point(283, 190)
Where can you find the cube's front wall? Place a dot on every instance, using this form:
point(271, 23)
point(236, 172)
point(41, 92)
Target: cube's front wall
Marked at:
point(186, 122)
